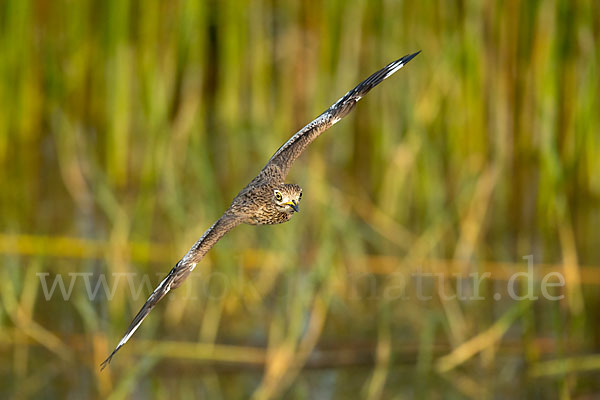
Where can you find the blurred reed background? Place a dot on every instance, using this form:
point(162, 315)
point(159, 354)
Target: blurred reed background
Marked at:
point(127, 127)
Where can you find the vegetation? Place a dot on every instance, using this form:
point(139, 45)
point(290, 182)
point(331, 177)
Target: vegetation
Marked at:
point(126, 127)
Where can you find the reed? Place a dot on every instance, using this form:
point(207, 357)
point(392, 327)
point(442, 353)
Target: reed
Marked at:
point(126, 127)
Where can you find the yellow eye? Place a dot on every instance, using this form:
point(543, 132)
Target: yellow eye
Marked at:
point(278, 195)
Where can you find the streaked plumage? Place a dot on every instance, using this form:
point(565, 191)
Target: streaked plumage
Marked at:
point(266, 199)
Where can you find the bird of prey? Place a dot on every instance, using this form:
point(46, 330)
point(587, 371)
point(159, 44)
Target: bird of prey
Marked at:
point(266, 199)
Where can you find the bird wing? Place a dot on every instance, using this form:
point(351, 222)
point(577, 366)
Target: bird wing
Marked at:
point(284, 157)
point(179, 273)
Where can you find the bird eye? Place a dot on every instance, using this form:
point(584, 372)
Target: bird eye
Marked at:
point(299, 197)
point(278, 195)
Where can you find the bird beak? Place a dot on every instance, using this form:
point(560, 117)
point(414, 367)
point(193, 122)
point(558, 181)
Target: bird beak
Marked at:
point(294, 205)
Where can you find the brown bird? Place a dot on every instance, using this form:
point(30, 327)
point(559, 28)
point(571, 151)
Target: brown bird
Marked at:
point(266, 199)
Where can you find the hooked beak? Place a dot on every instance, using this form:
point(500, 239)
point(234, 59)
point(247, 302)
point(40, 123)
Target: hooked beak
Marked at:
point(294, 205)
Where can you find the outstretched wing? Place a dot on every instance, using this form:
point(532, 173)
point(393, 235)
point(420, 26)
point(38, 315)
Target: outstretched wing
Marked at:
point(179, 273)
point(287, 154)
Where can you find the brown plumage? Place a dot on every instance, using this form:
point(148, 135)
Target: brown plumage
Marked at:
point(266, 200)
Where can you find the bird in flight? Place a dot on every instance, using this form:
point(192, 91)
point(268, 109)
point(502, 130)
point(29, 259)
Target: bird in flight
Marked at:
point(266, 200)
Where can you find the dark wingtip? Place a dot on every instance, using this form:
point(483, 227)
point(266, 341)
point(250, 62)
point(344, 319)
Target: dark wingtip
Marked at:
point(409, 57)
point(109, 359)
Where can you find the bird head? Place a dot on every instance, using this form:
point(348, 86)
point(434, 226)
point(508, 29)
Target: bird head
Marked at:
point(287, 197)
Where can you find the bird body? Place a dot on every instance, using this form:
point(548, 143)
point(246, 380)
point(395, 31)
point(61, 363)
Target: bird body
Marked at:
point(266, 200)
point(261, 204)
